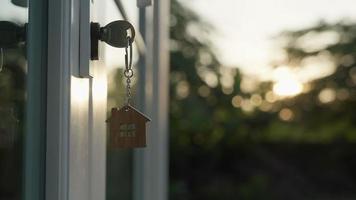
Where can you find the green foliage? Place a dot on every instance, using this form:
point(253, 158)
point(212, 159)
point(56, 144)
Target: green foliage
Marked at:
point(218, 151)
point(12, 120)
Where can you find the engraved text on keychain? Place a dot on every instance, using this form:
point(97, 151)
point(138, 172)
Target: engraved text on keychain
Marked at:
point(126, 124)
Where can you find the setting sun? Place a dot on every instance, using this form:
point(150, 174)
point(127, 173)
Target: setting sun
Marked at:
point(286, 84)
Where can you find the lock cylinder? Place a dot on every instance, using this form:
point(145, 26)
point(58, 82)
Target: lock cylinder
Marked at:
point(94, 40)
point(116, 34)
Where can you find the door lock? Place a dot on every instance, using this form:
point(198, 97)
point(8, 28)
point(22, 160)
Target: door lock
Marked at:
point(116, 34)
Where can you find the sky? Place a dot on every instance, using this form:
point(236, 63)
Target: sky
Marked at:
point(10, 12)
point(245, 28)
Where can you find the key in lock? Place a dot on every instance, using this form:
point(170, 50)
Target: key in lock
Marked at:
point(115, 34)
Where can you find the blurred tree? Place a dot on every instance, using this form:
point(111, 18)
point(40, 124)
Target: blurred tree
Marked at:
point(325, 110)
point(12, 120)
point(218, 151)
point(203, 123)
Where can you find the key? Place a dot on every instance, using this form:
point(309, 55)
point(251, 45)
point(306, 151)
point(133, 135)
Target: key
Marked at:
point(116, 33)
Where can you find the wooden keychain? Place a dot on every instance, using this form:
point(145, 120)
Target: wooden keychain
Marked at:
point(127, 125)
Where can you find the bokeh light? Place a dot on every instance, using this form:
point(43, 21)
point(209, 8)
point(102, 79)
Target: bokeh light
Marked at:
point(286, 84)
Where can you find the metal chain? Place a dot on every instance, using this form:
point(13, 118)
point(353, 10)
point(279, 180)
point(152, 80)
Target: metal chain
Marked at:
point(128, 72)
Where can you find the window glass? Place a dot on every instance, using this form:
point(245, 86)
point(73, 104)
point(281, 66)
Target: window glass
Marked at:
point(21, 147)
point(13, 70)
point(119, 175)
point(262, 106)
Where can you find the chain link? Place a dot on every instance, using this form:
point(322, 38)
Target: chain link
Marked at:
point(128, 72)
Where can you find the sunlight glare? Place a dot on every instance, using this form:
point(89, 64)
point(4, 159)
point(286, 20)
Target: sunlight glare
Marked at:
point(79, 90)
point(287, 87)
point(286, 84)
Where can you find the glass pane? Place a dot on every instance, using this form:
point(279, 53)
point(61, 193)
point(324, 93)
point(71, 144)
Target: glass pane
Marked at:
point(12, 103)
point(21, 147)
point(119, 161)
point(268, 112)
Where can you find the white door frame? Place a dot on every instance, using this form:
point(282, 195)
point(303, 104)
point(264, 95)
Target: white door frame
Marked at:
point(151, 163)
point(76, 138)
point(58, 98)
point(76, 146)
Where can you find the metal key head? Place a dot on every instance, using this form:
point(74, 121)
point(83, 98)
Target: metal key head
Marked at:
point(116, 33)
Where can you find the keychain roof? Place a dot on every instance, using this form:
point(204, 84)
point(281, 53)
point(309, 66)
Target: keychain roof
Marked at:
point(127, 108)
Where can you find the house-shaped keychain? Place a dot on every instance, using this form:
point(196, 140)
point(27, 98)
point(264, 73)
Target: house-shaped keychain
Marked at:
point(127, 128)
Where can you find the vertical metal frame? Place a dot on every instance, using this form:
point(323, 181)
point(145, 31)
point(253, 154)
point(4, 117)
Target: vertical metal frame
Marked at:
point(151, 163)
point(34, 151)
point(76, 107)
point(84, 39)
point(97, 119)
point(59, 29)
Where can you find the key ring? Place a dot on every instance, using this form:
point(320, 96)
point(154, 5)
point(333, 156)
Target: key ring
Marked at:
point(128, 72)
point(128, 64)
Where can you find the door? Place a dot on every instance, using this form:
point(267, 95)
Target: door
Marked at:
point(23, 49)
point(79, 166)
